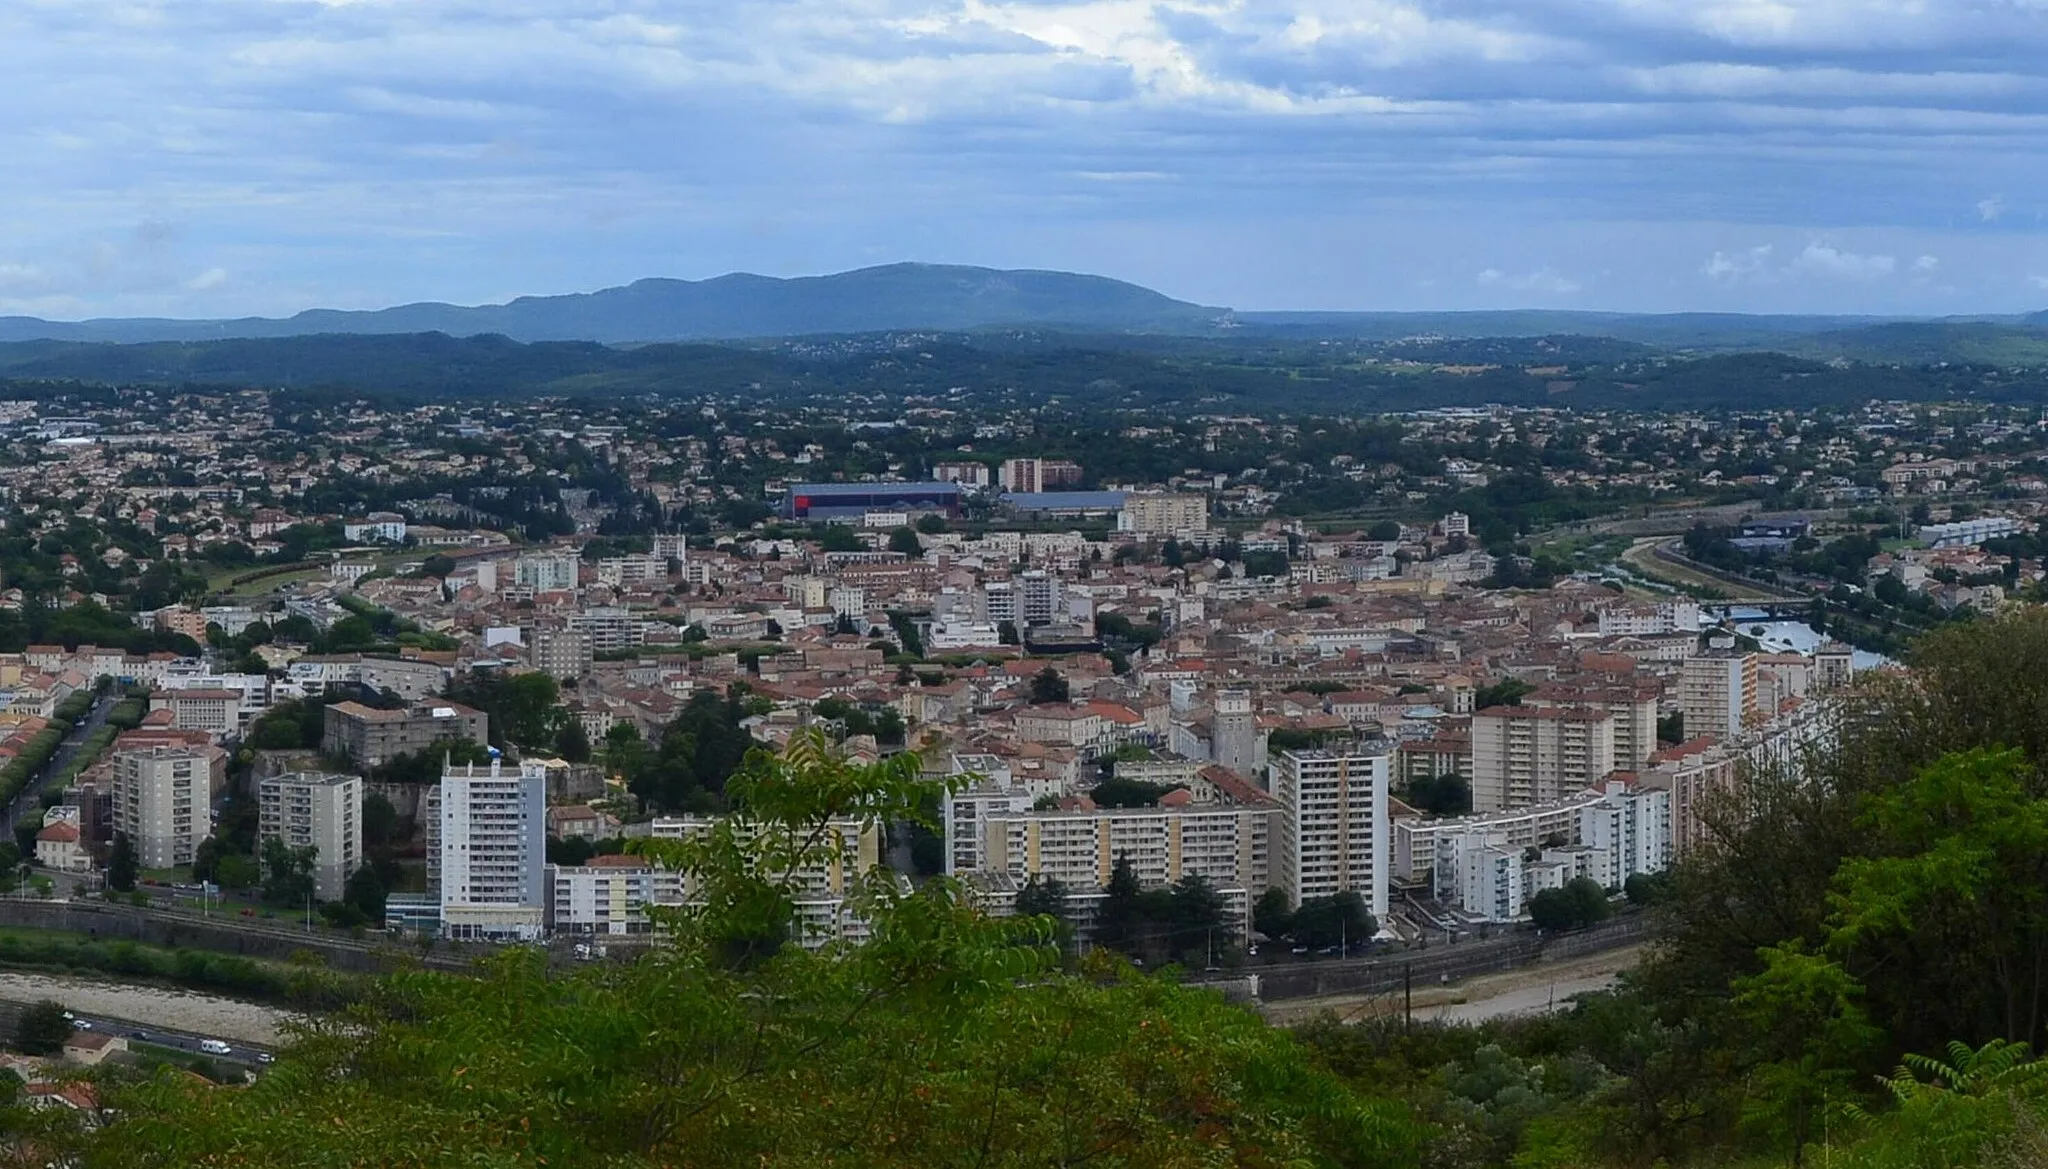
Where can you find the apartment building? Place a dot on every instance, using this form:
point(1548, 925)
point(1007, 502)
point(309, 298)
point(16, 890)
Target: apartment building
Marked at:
point(1632, 703)
point(319, 811)
point(608, 895)
point(820, 889)
point(609, 628)
point(965, 814)
point(1526, 756)
point(1628, 831)
point(1228, 846)
point(562, 653)
point(1334, 823)
point(545, 572)
point(163, 800)
point(370, 736)
point(1717, 693)
point(487, 854)
point(1418, 841)
point(1163, 513)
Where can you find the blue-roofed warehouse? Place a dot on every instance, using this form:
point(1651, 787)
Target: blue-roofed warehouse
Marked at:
point(851, 501)
point(1063, 504)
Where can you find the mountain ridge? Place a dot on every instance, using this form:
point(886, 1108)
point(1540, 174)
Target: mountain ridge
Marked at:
point(737, 305)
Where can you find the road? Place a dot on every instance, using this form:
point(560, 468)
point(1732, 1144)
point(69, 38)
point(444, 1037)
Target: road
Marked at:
point(176, 1040)
point(31, 792)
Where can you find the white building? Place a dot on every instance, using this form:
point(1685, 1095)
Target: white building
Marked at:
point(608, 895)
point(1227, 846)
point(487, 856)
point(1676, 615)
point(163, 800)
point(323, 812)
point(1334, 830)
point(546, 572)
point(1969, 533)
point(379, 526)
point(1628, 832)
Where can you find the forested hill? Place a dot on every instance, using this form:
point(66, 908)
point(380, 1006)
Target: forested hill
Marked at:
point(1269, 374)
point(896, 296)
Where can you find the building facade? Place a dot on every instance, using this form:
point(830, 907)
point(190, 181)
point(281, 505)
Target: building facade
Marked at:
point(487, 858)
point(322, 812)
point(163, 800)
point(1527, 756)
point(1334, 824)
point(370, 736)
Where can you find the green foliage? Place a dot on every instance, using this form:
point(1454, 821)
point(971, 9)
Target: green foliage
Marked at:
point(1580, 903)
point(1340, 919)
point(309, 987)
point(699, 751)
point(1506, 692)
point(121, 864)
point(43, 1029)
point(1182, 922)
point(905, 541)
point(287, 873)
point(1049, 686)
point(524, 709)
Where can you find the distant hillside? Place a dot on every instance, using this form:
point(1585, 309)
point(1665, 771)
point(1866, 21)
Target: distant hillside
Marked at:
point(896, 297)
point(1014, 367)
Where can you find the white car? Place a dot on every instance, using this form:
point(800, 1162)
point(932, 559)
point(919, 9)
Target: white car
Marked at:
point(214, 1047)
point(82, 1024)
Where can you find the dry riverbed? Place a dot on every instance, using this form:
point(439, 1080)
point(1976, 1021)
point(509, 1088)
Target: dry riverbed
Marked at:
point(173, 1010)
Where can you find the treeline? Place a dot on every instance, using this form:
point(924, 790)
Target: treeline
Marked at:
point(1263, 371)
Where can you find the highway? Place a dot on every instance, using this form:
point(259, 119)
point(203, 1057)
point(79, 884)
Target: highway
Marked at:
point(183, 1041)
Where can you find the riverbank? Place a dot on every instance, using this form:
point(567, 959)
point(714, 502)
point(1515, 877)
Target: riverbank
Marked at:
point(175, 1010)
point(1530, 990)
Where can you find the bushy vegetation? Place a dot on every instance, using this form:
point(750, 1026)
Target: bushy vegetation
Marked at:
point(308, 987)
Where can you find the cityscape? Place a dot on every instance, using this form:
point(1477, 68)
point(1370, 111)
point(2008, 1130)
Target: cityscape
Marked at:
point(1082, 584)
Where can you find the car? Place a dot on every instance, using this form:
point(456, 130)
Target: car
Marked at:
point(214, 1047)
point(265, 1057)
point(82, 1024)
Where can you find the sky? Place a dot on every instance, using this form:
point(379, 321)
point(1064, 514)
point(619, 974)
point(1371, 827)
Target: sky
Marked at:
point(201, 158)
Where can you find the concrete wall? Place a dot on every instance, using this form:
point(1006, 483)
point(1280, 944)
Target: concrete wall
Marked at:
point(261, 940)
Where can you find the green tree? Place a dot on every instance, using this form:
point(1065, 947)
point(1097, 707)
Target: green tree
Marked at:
point(287, 873)
point(380, 821)
point(1049, 686)
point(1810, 1035)
point(1340, 919)
point(365, 893)
point(43, 1029)
point(237, 870)
point(122, 868)
point(1120, 918)
point(1506, 692)
point(1045, 897)
point(437, 566)
point(932, 524)
point(905, 541)
point(572, 742)
point(1273, 913)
